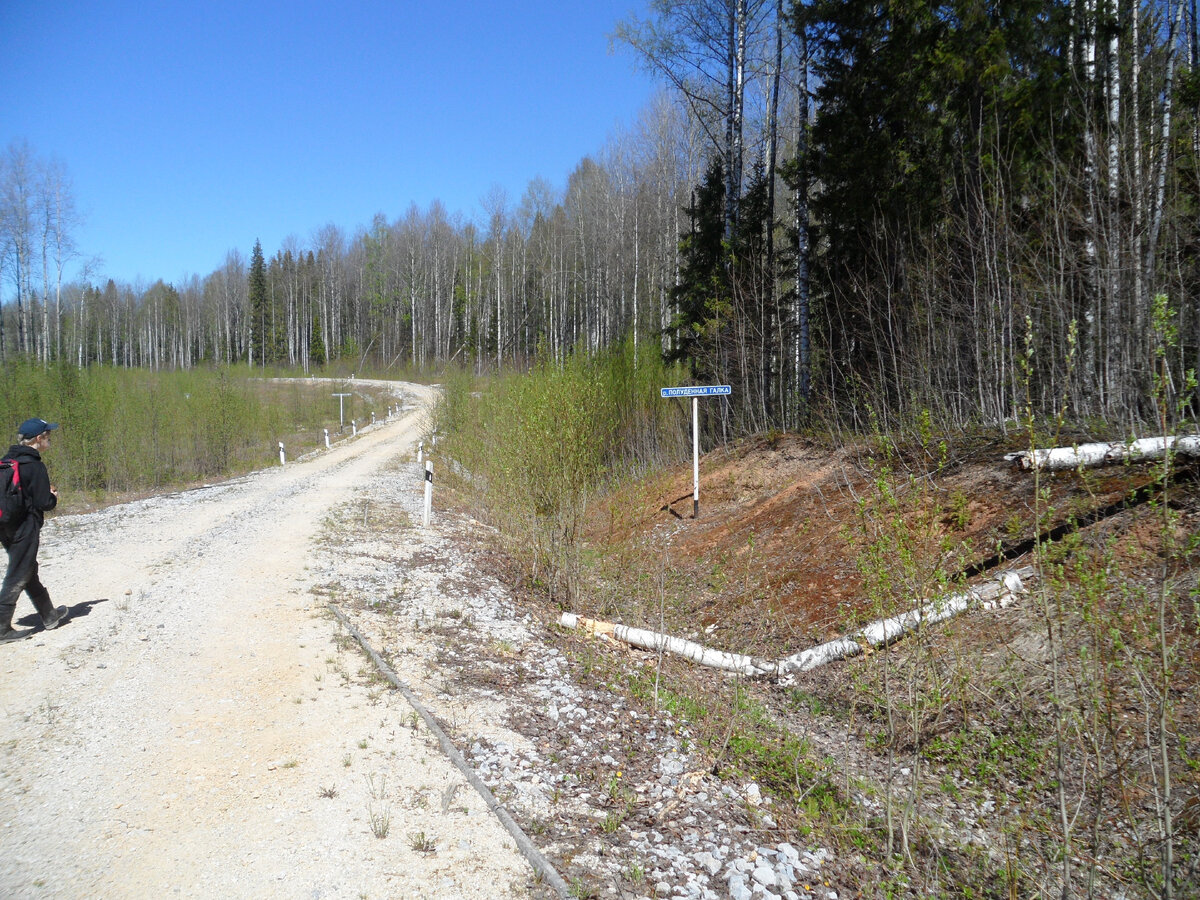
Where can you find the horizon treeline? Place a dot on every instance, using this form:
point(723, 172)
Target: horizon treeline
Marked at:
point(843, 209)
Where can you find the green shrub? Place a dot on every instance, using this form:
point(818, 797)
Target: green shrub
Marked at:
point(536, 447)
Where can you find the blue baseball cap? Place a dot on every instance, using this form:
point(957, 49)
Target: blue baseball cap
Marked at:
point(31, 428)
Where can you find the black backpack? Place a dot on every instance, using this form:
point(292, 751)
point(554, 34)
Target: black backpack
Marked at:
point(12, 497)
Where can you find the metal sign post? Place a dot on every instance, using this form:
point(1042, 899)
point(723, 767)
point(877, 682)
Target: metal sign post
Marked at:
point(342, 409)
point(709, 390)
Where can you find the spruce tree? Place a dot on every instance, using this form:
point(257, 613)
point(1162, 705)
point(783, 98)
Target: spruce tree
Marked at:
point(259, 307)
point(703, 277)
point(316, 349)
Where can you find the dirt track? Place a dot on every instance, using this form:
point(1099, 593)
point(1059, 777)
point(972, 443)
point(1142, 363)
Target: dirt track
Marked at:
point(194, 730)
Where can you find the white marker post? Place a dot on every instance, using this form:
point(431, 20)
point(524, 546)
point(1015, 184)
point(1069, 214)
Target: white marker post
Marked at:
point(354, 426)
point(342, 409)
point(326, 438)
point(428, 491)
point(281, 457)
point(710, 390)
point(420, 451)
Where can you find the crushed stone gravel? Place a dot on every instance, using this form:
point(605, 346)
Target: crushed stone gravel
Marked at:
point(612, 794)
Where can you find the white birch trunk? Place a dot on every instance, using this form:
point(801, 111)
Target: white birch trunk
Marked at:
point(636, 268)
point(737, 663)
point(739, 99)
point(1113, 86)
point(1138, 186)
point(1093, 320)
point(1001, 592)
point(1114, 360)
point(730, 77)
point(1101, 454)
point(802, 237)
point(1160, 187)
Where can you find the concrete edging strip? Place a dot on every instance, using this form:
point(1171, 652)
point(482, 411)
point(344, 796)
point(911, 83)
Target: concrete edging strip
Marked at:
point(541, 866)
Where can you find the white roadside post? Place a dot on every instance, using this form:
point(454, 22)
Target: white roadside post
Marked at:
point(709, 390)
point(420, 451)
point(281, 457)
point(326, 438)
point(372, 417)
point(428, 491)
point(354, 427)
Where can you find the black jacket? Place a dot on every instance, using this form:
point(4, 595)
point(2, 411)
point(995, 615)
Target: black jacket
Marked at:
point(35, 481)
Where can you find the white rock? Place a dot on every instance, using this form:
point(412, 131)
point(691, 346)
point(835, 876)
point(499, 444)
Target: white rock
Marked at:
point(764, 875)
point(708, 862)
point(671, 766)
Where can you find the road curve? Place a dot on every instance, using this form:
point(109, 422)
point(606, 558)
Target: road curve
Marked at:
point(196, 730)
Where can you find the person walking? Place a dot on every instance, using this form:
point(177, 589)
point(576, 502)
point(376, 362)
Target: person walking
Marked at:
point(22, 535)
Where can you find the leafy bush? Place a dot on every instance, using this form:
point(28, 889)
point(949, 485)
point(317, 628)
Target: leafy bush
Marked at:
point(534, 448)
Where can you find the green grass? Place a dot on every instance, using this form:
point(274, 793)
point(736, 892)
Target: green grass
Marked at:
point(128, 430)
point(678, 704)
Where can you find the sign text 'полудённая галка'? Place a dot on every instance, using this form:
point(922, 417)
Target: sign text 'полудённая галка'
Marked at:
point(707, 390)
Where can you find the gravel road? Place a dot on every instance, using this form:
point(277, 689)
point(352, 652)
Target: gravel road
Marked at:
point(203, 726)
point(200, 728)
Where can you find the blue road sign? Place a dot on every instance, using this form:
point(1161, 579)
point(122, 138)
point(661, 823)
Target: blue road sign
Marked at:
point(707, 390)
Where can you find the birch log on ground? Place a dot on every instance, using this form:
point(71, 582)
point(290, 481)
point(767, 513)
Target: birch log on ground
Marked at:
point(1102, 454)
point(1000, 592)
point(737, 663)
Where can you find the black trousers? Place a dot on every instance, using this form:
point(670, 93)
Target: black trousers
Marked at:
point(22, 573)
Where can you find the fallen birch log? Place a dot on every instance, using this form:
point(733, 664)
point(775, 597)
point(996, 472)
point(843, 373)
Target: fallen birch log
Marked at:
point(1102, 454)
point(1001, 592)
point(998, 593)
point(738, 663)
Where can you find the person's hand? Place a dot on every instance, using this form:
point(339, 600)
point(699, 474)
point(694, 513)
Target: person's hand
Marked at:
point(54, 490)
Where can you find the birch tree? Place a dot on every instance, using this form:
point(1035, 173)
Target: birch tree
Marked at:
point(17, 228)
point(702, 48)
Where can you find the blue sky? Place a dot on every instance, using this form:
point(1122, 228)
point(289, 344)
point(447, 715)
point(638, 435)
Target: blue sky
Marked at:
point(192, 128)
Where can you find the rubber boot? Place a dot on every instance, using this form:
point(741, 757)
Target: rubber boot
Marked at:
point(56, 618)
point(8, 633)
